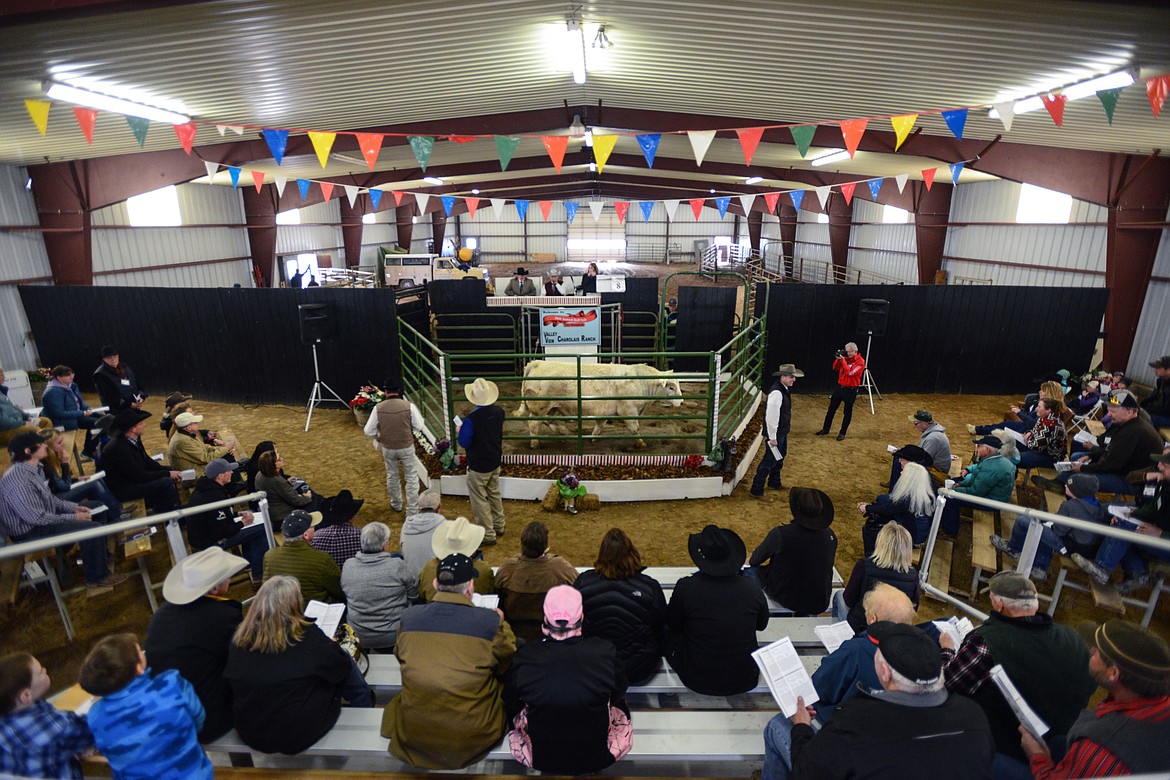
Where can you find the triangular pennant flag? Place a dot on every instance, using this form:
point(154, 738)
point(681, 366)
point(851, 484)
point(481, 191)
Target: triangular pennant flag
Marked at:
point(956, 120)
point(1055, 106)
point(722, 204)
point(277, 143)
point(370, 145)
point(571, 210)
point(351, 193)
point(222, 129)
point(556, 145)
point(697, 206)
point(545, 208)
point(38, 111)
point(1007, 112)
point(772, 198)
point(649, 143)
point(797, 198)
point(749, 139)
point(671, 206)
point(462, 139)
point(647, 206)
point(421, 145)
point(823, 196)
point(448, 203)
point(700, 143)
point(901, 179)
point(322, 144)
point(620, 206)
point(745, 202)
point(596, 206)
point(1108, 98)
point(234, 172)
point(928, 177)
point(326, 190)
point(85, 120)
point(505, 148)
point(851, 131)
point(186, 135)
point(498, 206)
point(303, 185)
point(875, 186)
point(421, 199)
point(602, 147)
point(139, 127)
point(257, 179)
point(847, 191)
point(237, 129)
point(375, 198)
point(211, 167)
point(902, 127)
point(1157, 89)
point(956, 169)
point(397, 197)
point(522, 209)
point(472, 205)
point(802, 136)
point(280, 181)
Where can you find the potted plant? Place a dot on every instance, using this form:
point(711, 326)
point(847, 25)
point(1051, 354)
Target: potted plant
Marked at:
point(364, 402)
point(570, 488)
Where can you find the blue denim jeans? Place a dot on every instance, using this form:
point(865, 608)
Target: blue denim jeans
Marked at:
point(355, 690)
point(1109, 483)
point(1115, 551)
point(777, 749)
point(1030, 459)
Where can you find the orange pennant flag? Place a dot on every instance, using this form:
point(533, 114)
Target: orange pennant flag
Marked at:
point(1157, 89)
point(462, 139)
point(472, 205)
point(697, 206)
point(749, 139)
point(620, 206)
point(771, 198)
point(902, 127)
point(85, 120)
point(326, 189)
point(370, 144)
point(928, 176)
point(1055, 106)
point(322, 143)
point(545, 208)
point(257, 179)
point(602, 147)
point(556, 146)
point(38, 111)
point(847, 191)
point(186, 135)
point(397, 197)
point(851, 131)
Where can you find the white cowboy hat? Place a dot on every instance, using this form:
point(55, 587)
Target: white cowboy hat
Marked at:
point(481, 392)
point(198, 573)
point(457, 536)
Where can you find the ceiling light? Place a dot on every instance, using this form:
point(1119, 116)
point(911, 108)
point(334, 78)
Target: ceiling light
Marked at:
point(433, 180)
point(83, 97)
point(575, 49)
point(712, 190)
point(474, 192)
point(593, 167)
point(577, 128)
point(589, 138)
point(1118, 80)
point(831, 156)
point(601, 40)
point(753, 180)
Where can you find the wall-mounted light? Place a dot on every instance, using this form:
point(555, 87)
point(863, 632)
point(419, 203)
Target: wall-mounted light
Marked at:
point(1118, 80)
point(474, 191)
point(831, 156)
point(577, 127)
point(103, 102)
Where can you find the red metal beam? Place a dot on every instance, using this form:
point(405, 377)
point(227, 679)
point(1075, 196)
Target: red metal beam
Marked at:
point(260, 215)
point(404, 221)
point(840, 226)
point(788, 221)
point(351, 230)
point(63, 209)
point(755, 226)
point(932, 209)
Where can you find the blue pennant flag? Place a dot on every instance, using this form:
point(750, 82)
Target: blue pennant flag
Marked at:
point(721, 204)
point(956, 169)
point(375, 198)
point(956, 120)
point(647, 206)
point(303, 185)
point(875, 186)
point(277, 141)
point(235, 174)
point(522, 209)
point(649, 144)
point(797, 198)
point(571, 210)
point(448, 203)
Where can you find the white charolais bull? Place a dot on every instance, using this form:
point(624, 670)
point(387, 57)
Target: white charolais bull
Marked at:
point(548, 379)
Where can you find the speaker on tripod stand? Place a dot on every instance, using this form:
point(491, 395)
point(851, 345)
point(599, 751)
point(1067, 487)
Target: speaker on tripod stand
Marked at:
point(317, 326)
point(871, 321)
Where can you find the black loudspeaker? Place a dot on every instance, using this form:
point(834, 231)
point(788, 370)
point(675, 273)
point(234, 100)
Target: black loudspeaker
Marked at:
point(871, 316)
point(317, 324)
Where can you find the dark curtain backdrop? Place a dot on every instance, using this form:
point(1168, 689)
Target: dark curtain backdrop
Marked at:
point(706, 317)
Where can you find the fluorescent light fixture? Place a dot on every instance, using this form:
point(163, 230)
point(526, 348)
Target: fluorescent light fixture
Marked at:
point(83, 97)
point(575, 50)
point(831, 156)
point(712, 190)
point(1083, 89)
point(592, 167)
point(433, 180)
point(753, 180)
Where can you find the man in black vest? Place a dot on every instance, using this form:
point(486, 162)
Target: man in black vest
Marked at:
point(777, 423)
point(392, 425)
point(482, 435)
point(1048, 663)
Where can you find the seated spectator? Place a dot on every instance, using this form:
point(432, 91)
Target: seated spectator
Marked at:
point(555, 284)
point(117, 386)
point(288, 679)
point(378, 588)
point(318, 575)
point(453, 655)
point(62, 403)
point(283, 498)
point(910, 504)
point(252, 466)
point(1091, 394)
point(932, 438)
point(1022, 417)
point(568, 693)
point(218, 528)
point(890, 564)
point(130, 472)
point(794, 563)
point(1128, 732)
point(37, 739)
point(418, 529)
point(625, 605)
point(13, 420)
point(337, 536)
point(1157, 403)
point(520, 284)
point(145, 725)
point(713, 617)
point(100, 435)
point(192, 631)
point(58, 465)
point(166, 423)
point(991, 476)
point(456, 536)
point(187, 450)
point(522, 581)
point(1047, 442)
point(29, 511)
point(1081, 504)
point(1009, 449)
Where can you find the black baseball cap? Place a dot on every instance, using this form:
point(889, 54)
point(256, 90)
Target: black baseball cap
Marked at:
point(908, 651)
point(456, 569)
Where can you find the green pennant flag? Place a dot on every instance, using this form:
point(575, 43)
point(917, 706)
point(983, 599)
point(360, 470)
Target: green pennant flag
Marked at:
point(1108, 98)
point(505, 148)
point(802, 136)
point(138, 126)
point(421, 145)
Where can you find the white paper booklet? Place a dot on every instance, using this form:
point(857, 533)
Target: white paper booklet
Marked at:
point(90, 478)
point(1063, 465)
point(785, 675)
point(328, 616)
point(1024, 713)
point(187, 475)
point(834, 635)
point(954, 627)
point(488, 600)
point(1121, 511)
point(890, 448)
point(97, 510)
point(1014, 434)
point(1085, 437)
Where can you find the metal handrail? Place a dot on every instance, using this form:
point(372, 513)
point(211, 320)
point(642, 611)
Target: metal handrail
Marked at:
point(943, 596)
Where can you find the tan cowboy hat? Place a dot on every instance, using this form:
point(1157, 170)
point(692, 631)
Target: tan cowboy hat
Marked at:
point(457, 536)
point(198, 573)
point(481, 392)
point(787, 369)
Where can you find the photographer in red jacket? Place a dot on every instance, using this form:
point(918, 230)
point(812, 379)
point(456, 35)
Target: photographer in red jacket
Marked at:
point(850, 367)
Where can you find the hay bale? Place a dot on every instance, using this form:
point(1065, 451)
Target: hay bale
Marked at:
point(552, 499)
point(588, 502)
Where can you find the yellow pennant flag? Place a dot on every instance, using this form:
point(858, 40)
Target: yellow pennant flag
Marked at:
point(602, 147)
point(39, 111)
point(322, 143)
point(902, 127)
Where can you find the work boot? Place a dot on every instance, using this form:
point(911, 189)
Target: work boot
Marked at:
point(841, 436)
point(1004, 546)
point(1136, 582)
point(822, 432)
point(1091, 568)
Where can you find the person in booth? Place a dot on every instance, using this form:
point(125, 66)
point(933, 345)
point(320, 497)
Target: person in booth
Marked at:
point(520, 284)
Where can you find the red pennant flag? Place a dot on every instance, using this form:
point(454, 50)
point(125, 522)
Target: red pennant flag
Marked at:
point(87, 116)
point(462, 139)
point(257, 179)
point(1055, 106)
point(847, 191)
point(397, 197)
point(326, 189)
point(771, 198)
point(370, 144)
point(697, 206)
point(186, 134)
point(851, 131)
point(545, 208)
point(928, 176)
point(749, 139)
point(1157, 89)
point(556, 146)
point(472, 205)
point(621, 207)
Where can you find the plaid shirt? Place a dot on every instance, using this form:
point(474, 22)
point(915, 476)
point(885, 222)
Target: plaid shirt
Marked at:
point(967, 669)
point(341, 541)
point(1086, 758)
point(42, 741)
point(25, 500)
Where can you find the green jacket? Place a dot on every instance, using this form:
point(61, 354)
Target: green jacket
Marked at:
point(992, 478)
point(318, 574)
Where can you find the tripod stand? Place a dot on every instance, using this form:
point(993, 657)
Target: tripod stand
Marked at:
point(317, 395)
point(867, 380)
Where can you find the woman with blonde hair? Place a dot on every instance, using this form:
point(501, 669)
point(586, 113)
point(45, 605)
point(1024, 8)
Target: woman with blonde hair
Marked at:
point(910, 504)
point(288, 679)
point(58, 466)
point(890, 563)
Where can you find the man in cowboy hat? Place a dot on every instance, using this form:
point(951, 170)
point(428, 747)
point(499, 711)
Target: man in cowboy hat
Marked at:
point(482, 435)
point(456, 536)
point(796, 560)
point(192, 631)
point(319, 576)
point(338, 537)
point(131, 473)
point(520, 284)
point(777, 423)
point(713, 617)
point(117, 386)
point(187, 450)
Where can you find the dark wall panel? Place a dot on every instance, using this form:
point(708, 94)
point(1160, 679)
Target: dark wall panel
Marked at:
point(705, 319)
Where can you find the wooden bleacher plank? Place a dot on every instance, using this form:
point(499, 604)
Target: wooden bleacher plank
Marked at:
point(940, 565)
point(1053, 500)
point(1106, 597)
point(983, 555)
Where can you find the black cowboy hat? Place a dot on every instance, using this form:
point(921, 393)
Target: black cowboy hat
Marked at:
point(341, 508)
point(717, 551)
point(811, 508)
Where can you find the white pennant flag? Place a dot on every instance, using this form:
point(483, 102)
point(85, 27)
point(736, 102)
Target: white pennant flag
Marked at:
point(234, 128)
point(211, 169)
point(596, 206)
point(421, 198)
point(823, 196)
point(901, 179)
point(280, 181)
point(498, 206)
point(351, 193)
point(700, 142)
point(746, 201)
point(671, 207)
point(1007, 112)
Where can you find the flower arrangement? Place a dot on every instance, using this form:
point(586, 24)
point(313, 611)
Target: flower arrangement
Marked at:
point(367, 398)
point(39, 376)
point(694, 462)
point(570, 488)
point(446, 453)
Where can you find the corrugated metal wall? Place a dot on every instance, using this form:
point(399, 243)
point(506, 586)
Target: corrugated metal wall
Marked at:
point(812, 243)
point(22, 257)
point(1153, 334)
point(887, 249)
point(318, 233)
point(383, 232)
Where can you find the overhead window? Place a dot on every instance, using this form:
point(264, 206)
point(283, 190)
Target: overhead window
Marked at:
point(892, 215)
point(158, 208)
point(290, 217)
point(369, 219)
point(822, 218)
point(1037, 204)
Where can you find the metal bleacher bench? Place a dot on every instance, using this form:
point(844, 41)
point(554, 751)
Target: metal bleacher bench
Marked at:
point(668, 576)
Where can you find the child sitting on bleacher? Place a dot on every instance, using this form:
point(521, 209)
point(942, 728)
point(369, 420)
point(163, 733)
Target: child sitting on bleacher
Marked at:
point(144, 725)
point(36, 739)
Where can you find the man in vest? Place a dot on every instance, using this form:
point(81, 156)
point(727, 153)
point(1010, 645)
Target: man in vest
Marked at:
point(1048, 663)
point(777, 423)
point(392, 425)
point(482, 435)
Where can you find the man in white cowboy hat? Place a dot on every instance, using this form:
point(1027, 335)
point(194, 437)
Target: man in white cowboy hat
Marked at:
point(192, 632)
point(777, 423)
point(482, 435)
point(520, 284)
point(456, 536)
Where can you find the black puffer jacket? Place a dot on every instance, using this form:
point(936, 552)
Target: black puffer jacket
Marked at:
point(631, 613)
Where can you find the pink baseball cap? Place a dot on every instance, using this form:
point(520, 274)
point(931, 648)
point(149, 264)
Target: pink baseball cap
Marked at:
point(562, 609)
